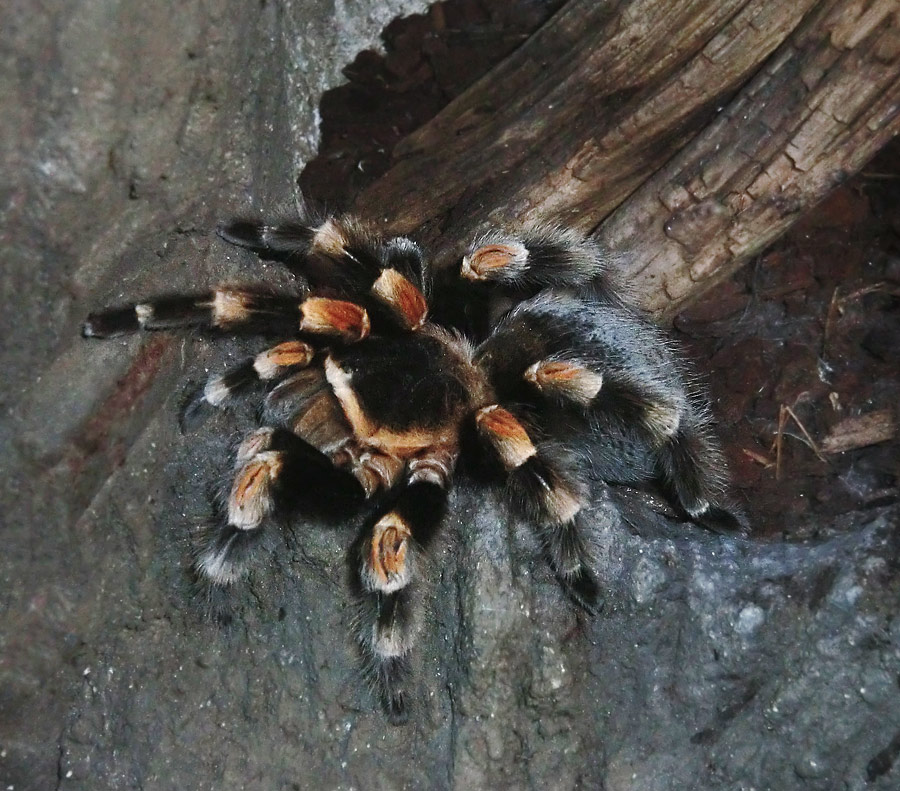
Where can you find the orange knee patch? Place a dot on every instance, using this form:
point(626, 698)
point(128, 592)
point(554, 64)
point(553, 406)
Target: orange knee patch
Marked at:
point(251, 493)
point(566, 378)
point(402, 297)
point(387, 561)
point(271, 362)
point(337, 318)
point(491, 260)
point(508, 436)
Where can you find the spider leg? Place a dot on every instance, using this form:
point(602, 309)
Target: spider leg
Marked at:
point(388, 276)
point(268, 365)
point(615, 391)
point(281, 240)
point(500, 269)
point(389, 576)
point(273, 469)
point(230, 308)
point(687, 459)
point(693, 470)
point(607, 365)
point(550, 493)
point(543, 257)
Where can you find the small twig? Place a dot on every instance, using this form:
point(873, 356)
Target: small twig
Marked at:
point(779, 440)
point(784, 412)
point(809, 439)
point(765, 461)
point(881, 285)
point(868, 174)
point(830, 317)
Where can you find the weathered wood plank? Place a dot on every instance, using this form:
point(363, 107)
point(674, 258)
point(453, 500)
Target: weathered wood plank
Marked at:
point(717, 124)
point(587, 109)
point(825, 103)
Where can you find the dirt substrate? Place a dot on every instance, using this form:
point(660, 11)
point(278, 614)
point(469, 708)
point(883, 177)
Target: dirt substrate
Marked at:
point(801, 352)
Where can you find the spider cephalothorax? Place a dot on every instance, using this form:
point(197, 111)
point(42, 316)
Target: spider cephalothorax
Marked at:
point(379, 393)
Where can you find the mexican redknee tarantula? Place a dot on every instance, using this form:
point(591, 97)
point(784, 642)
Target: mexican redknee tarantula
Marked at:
point(386, 384)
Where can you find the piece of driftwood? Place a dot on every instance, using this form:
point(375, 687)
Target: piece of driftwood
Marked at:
point(822, 106)
point(710, 125)
point(861, 431)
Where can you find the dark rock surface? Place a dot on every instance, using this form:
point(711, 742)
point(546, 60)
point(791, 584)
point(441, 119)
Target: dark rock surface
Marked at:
point(716, 663)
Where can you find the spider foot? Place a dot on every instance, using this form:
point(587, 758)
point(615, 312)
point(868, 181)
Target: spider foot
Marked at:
point(693, 471)
point(392, 678)
point(283, 239)
point(221, 389)
point(387, 629)
point(582, 589)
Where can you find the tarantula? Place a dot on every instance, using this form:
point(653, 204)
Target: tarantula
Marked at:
point(386, 384)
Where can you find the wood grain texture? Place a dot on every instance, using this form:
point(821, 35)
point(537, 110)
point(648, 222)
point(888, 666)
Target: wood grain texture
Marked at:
point(710, 125)
point(824, 104)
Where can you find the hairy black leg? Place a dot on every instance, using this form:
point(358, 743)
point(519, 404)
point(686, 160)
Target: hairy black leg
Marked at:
point(226, 550)
point(233, 309)
point(391, 618)
point(390, 276)
point(550, 492)
point(281, 240)
point(618, 393)
point(222, 308)
point(578, 353)
point(222, 389)
point(694, 473)
point(273, 470)
point(687, 460)
point(606, 367)
point(389, 576)
point(342, 253)
point(540, 258)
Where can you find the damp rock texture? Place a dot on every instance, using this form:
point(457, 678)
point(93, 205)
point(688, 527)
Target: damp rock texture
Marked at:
point(128, 129)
